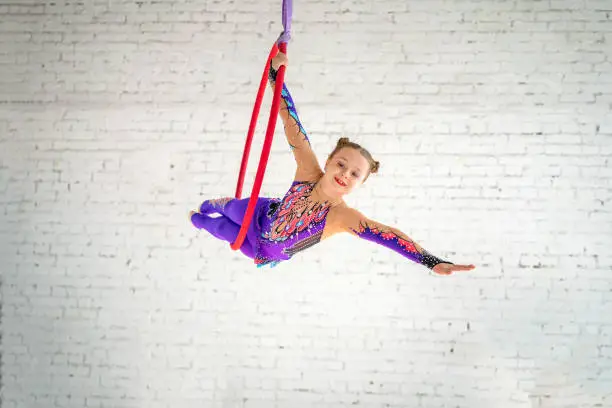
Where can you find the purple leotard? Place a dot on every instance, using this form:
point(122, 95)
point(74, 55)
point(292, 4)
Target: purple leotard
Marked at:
point(280, 228)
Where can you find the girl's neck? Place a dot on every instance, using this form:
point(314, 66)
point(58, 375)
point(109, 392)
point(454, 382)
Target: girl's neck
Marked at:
point(322, 195)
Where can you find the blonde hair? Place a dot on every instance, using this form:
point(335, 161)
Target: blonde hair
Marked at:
point(345, 142)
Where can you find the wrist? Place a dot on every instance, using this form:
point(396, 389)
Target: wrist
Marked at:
point(430, 261)
point(272, 73)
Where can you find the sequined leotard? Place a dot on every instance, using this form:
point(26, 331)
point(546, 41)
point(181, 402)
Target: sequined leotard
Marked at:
point(290, 225)
point(280, 227)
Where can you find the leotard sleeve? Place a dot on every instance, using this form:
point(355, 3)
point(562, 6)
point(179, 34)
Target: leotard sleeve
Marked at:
point(392, 238)
point(307, 164)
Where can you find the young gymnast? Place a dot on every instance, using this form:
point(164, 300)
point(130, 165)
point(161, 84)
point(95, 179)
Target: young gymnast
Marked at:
point(313, 209)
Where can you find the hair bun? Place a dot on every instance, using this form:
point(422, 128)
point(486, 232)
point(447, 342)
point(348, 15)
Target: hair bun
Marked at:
point(343, 141)
point(375, 167)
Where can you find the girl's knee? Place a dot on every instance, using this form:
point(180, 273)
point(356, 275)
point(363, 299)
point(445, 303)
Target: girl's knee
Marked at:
point(198, 220)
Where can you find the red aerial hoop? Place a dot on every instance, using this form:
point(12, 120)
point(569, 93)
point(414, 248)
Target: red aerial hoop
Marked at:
point(279, 45)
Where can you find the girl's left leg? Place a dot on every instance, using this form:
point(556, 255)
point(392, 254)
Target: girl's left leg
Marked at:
point(222, 228)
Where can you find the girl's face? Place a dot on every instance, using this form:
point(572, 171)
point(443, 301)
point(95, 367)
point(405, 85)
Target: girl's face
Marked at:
point(346, 170)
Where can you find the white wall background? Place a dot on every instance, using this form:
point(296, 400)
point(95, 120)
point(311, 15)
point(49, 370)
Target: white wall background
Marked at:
point(492, 122)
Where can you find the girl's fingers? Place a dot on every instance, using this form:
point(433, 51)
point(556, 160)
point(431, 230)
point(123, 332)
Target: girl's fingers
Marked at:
point(448, 269)
point(463, 267)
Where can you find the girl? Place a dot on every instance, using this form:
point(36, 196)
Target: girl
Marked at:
point(313, 209)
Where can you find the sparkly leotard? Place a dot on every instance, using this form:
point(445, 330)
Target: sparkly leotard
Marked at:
point(290, 225)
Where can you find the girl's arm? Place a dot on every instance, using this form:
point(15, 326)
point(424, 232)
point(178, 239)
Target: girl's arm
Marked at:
point(357, 224)
point(307, 165)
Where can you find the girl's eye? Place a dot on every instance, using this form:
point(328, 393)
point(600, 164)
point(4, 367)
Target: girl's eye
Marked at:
point(355, 175)
point(340, 164)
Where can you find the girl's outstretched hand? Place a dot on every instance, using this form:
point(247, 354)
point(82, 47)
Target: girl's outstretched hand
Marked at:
point(280, 59)
point(448, 269)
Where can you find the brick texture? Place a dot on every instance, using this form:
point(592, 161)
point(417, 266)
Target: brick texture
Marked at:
point(492, 123)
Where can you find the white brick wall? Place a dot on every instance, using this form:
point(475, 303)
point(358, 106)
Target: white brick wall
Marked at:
point(492, 122)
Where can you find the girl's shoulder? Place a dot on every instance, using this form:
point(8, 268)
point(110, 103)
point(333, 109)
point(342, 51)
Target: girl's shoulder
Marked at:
point(341, 218)
point(346, 213)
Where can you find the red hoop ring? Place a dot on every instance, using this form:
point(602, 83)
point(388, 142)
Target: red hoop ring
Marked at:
point(265, 153)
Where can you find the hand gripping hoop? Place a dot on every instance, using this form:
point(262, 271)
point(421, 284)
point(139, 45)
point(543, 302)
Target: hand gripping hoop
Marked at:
point(279, 45)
